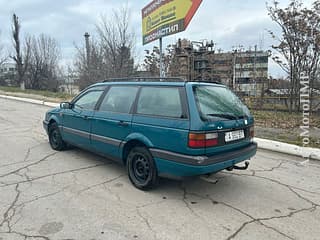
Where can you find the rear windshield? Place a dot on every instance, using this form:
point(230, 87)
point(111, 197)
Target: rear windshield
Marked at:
point(219, 102)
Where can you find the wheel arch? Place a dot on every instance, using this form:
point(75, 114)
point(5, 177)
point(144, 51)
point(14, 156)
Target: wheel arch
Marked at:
point(52, 120)
point(132, 141)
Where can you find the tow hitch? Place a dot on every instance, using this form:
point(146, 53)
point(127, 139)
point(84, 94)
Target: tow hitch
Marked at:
point(246, 165)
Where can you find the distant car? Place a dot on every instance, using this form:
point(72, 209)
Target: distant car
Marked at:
point(157, 128)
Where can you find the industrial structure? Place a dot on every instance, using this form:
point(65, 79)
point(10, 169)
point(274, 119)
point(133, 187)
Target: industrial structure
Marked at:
point(8, 71)
point(246, 72)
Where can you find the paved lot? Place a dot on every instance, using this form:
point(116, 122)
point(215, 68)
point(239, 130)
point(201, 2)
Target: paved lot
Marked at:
point(78, 195)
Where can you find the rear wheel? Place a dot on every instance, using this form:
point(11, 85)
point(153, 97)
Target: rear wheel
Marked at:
point(141, 168)
point(55, 138)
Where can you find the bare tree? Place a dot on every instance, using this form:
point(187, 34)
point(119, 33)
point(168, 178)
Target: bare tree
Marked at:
point(116, 40)
point(3, 56)
point(42, 69)
point(21, 59)
point(110, 52)
point(298, 48)
point(151, 61)
point(94, 70)
point(68, 75)
point(3, 59)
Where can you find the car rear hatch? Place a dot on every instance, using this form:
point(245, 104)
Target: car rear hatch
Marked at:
point(231, 135)
point(224, 123)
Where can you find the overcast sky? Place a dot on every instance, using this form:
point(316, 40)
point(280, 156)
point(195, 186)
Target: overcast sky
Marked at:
point(228, 23)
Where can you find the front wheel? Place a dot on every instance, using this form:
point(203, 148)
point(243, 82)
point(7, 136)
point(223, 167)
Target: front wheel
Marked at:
point(55, 138)
point(141, 168)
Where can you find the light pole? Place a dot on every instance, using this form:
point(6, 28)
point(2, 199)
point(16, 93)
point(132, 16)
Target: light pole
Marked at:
point(86, 37)
point(162, 73)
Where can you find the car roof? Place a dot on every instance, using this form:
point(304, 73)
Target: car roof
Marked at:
point(157, 83)
point(164, 83)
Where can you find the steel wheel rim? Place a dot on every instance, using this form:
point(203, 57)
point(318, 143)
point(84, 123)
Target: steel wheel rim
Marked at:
point(54, 138)
point(141, 168)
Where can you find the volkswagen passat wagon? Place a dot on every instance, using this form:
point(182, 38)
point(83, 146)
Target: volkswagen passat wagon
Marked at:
point(157, 128)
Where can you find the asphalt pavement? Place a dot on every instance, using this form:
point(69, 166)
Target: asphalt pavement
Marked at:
point(75, 194)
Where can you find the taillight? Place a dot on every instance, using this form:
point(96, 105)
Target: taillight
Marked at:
point(251, 130)
point(201, 140)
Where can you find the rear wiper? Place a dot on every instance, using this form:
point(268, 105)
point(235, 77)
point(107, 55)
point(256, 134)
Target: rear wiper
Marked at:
point(223, 115)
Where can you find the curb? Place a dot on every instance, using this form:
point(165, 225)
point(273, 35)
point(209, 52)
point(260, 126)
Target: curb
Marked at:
point(305, 152)
point(29, 100)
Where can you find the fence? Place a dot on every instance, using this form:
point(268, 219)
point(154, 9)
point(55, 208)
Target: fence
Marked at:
point(275, 103)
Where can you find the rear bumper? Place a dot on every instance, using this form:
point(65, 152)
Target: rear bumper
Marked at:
point(184, 165)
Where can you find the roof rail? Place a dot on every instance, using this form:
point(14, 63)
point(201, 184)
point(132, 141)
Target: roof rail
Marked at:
point(146, 79)
point(156, 79)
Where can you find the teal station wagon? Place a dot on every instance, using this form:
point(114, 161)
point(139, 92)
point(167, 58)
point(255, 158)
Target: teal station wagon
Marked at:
point(168, 128)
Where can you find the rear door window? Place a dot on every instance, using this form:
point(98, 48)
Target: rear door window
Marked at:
point(160, 101)
point(119, 99)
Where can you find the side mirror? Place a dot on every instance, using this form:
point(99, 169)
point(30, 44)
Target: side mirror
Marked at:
point(65, 105)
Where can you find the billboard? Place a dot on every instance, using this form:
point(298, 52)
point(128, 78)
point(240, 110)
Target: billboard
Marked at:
point(161, 18)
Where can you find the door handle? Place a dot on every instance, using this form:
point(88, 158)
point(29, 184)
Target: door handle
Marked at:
point(85, 117)
point(123, 124)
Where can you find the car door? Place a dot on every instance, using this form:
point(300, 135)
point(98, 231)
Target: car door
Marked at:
point(76, 121)
point(111, 123)
point(161, 116)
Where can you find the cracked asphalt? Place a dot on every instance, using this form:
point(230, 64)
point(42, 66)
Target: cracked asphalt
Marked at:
point(78, 195)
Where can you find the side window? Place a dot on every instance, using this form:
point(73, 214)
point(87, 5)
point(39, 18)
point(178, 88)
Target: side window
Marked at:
point(119, 99)
point(89, 100)
point(161, 101)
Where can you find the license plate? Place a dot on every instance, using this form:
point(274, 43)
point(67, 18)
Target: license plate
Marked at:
point(234, 135)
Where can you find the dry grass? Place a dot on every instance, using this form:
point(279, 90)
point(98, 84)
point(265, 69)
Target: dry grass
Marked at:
point(284, 120)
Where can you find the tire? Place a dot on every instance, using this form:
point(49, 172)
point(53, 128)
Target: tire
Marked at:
point(55, 138)
point(141, 168)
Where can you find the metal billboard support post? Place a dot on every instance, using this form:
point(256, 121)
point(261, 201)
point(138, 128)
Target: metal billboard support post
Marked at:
point(161, 59)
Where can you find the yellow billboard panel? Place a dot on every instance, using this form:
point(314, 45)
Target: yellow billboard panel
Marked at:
point(165, 17)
